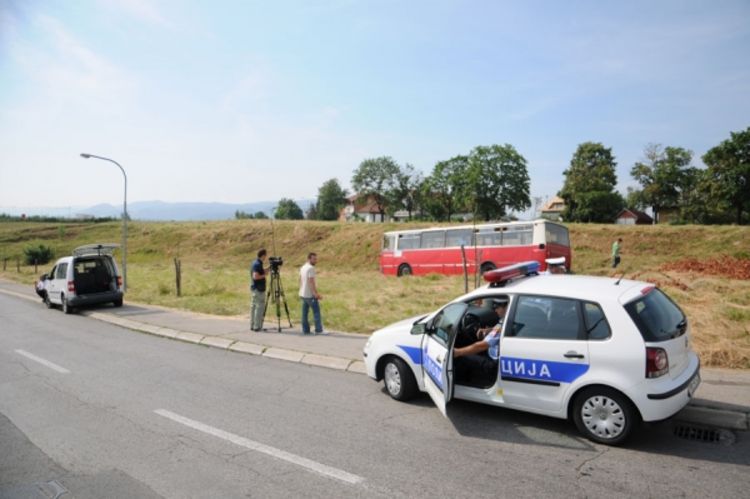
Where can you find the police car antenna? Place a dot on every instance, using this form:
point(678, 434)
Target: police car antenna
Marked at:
point(617, 283)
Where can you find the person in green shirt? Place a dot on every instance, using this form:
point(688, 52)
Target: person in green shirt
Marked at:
point(616, 253)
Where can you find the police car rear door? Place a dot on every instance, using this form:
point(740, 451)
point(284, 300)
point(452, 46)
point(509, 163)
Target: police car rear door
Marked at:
point(543, 352)
point(437, 354)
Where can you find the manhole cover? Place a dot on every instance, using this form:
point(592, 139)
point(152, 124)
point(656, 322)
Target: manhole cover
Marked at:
point(704, 434)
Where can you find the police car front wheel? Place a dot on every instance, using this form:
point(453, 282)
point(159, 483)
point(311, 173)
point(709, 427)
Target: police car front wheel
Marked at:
point(399, 380)
point(604, 415)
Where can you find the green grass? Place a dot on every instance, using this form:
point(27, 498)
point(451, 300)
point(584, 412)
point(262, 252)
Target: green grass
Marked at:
point(216, 256)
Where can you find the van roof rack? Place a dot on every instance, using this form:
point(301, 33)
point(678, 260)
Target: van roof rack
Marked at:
point(95, 249)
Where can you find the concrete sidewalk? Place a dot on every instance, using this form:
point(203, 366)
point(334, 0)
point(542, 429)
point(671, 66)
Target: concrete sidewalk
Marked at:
point(722, 400)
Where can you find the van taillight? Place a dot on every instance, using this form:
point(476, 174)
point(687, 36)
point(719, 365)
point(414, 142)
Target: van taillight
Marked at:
point(119, 281)
point(657, 362)
point(71, 287)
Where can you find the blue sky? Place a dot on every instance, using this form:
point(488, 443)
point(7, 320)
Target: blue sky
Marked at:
point(252, 101)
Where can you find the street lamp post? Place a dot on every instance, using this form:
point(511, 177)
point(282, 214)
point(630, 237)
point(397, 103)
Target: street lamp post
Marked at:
point(124, 219)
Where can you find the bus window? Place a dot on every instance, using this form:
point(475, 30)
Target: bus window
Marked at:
point(389, 242)
point(556, 234)
point(489, 238)
point(408, 241)
point(457, 237)
point(434, 239)
point(518, 235)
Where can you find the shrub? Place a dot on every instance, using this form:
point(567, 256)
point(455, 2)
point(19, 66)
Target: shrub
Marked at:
point(37, 254)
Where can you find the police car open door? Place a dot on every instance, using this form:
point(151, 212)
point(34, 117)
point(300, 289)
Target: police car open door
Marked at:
point(437, 354)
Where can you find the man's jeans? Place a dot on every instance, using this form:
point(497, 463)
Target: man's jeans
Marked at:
point(307, 304)
point(257, 307)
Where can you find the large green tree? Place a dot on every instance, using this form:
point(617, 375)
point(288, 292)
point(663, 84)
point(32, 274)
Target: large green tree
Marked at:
point(331, 197)
point(377, 178)
point(444, 189)
point(406, 193)
point(589, 188)
point(661, 176)
point(728, 173)
point(288, 210)
point(497, 180)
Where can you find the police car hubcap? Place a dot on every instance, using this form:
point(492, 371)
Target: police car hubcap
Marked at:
point(603, 417)
point(392, 378)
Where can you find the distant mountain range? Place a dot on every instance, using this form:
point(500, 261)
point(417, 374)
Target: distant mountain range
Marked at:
point(157, 210)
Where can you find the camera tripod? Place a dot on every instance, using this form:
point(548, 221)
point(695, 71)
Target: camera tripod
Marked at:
point(275, 287)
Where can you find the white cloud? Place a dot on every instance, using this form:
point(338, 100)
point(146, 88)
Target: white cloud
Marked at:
point(144, 11)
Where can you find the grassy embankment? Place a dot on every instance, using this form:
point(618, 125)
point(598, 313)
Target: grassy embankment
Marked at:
point(215, 258)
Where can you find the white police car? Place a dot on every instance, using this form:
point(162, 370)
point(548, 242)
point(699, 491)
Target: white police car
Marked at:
point(607, 353)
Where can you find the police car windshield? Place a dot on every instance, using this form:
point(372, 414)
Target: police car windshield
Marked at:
point(657, 317)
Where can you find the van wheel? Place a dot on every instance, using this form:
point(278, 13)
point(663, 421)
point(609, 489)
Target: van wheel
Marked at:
point(604, 415)
point(47, 302)
point(404, 269)
point(67, 309)
point(399, 380)
point(486, 267)
point(117, 303)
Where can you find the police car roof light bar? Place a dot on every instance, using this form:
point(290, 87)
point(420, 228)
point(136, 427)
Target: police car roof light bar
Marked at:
point(499, 277)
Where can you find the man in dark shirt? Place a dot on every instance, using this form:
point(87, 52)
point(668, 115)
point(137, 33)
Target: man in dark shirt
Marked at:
point(258, 291)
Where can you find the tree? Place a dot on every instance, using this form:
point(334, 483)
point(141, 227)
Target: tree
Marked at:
point(377, 178)
point(331, 197)
point(406, 193)
point(260, 215)
point(589, 185)
point(728, 173)
point(661, 176)
point(497, 180)
point(444, 189)
point(288, 210)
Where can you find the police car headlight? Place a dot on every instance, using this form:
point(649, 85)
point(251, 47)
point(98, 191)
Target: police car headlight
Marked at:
point(367, 345)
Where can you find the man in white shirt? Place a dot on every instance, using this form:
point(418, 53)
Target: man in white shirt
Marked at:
point(308, 293)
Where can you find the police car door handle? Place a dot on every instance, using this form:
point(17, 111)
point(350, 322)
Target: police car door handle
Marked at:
point(572, 354)
point(439, 359)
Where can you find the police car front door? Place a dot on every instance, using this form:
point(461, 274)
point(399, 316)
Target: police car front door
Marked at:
point(437, 354)
point(542, 352)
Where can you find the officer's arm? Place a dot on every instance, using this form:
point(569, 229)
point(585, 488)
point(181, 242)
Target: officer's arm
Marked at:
point(474, 348)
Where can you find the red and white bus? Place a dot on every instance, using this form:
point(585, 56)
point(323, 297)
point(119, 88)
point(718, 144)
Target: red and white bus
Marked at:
point(488, 246)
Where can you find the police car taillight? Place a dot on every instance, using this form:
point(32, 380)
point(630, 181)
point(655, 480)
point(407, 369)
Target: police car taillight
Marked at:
point(657, 362)
point(504, 274)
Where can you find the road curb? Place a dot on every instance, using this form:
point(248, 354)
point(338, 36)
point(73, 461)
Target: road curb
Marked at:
point(712, 416)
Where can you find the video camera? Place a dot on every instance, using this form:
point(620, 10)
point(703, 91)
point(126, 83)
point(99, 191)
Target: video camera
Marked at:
point(276, 262)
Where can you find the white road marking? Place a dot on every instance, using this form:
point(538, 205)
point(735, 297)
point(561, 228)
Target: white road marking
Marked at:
point(42, 361)
point(265, 449)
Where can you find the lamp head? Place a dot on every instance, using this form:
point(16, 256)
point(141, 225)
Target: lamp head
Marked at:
point(84, 155)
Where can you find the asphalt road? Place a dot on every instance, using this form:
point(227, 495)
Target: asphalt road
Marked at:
point(101, 411)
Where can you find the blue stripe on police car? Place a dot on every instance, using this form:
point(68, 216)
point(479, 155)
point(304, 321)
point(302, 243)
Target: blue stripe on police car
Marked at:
point(541, 370)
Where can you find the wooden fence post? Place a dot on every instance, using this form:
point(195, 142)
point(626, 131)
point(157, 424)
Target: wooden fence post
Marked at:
point(178, 276)
point(466, 269)
point(35, 267)
point(18, 265)
point(5, 264)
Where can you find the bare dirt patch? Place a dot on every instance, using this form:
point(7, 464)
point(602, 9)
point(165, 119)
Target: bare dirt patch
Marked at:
point(727, 266)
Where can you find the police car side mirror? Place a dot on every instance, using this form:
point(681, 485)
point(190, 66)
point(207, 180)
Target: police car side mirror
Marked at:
point(420, 328)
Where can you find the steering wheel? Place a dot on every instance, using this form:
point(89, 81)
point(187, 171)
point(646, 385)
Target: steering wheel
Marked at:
point(468, 332)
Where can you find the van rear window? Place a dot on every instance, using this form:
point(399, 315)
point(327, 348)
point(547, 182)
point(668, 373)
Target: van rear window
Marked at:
point(657, 317)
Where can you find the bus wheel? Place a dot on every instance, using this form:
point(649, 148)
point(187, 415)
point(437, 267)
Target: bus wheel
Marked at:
point(487, 266)
point(404, 269)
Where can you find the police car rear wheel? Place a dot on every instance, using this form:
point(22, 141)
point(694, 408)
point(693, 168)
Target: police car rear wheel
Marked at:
point(604, 415)
point(399, 380)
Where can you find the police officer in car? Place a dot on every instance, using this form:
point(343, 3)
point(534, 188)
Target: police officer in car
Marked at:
point(477, 363)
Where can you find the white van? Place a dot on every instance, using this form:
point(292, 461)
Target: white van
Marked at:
point(88, 277)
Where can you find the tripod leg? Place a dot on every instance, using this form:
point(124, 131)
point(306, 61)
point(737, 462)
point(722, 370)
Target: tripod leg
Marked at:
point(286, 307)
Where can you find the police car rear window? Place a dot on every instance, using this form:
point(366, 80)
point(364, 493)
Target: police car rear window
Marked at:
point(657, 317)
